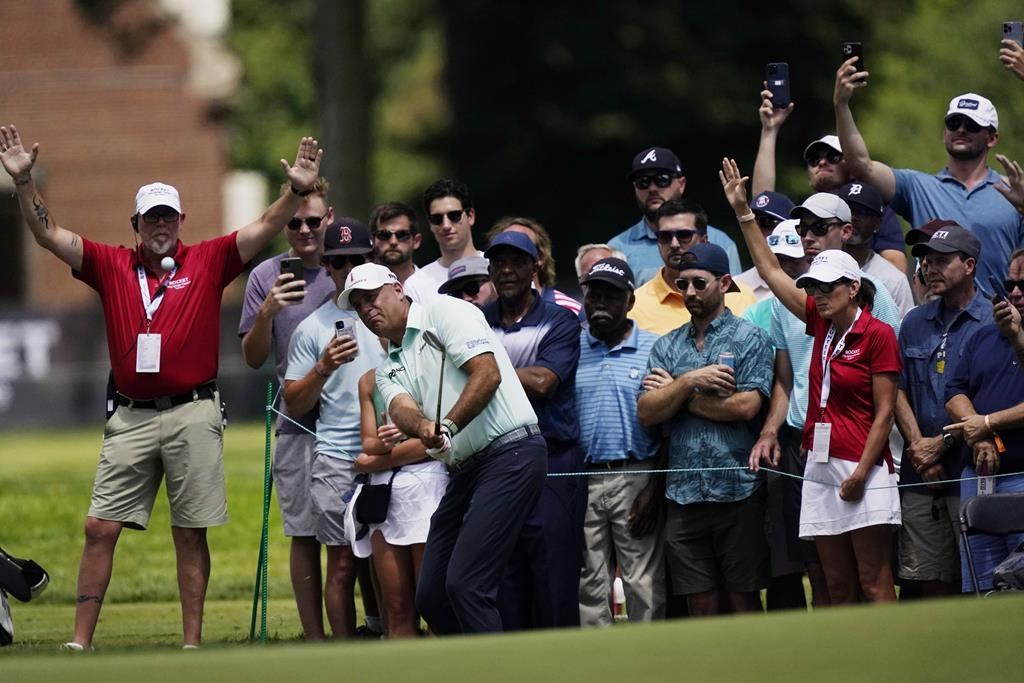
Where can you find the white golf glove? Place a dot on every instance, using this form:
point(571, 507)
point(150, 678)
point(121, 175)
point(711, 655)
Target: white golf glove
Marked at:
point(444, 447)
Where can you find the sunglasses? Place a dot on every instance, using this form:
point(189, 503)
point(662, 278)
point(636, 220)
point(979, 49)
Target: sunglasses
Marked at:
point(338, 262)
point(153, 216)
point(766, 222)
point(953, 124)
point(833, 157)
point(312, 222)
point(469, 288)
point(681, 236)
point(386, 235)
point(453, 216)
point(1012, 284)
point(661, 180)
point(813, 286)
point(789, 239)
point(819, 228)
point(699, 283)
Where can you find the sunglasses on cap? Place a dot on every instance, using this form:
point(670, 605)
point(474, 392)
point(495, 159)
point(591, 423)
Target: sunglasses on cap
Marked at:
point(153, 216)
point(1013, 284)
point(338, 261)
point(813, 286)
point(699, 283)
point(953, 124)
point(681, 236)
point(453, 216)
point(471, 287)
point(661, 180)
point(790, 239)
point(831, 156)
point(386, 235)
point(312, 222)
point(818, 228)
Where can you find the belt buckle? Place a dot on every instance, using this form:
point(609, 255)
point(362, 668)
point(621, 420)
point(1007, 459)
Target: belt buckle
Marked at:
point(162, 403)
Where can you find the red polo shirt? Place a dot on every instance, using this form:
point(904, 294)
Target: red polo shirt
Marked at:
point(871, 347)
point(188, 320)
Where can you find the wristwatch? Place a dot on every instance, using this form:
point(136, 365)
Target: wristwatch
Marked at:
point(948, 440)
point(302, 193)
point(452, 428)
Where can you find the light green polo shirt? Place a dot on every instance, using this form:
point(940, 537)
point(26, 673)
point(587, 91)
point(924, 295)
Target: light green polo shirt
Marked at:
point(414, 369)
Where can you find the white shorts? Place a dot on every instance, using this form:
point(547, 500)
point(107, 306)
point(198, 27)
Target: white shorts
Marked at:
point(824, 513)
point(415, 494)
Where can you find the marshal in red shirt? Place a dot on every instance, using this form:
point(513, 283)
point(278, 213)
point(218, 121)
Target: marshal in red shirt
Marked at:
point(188, 320)
point(871, 347)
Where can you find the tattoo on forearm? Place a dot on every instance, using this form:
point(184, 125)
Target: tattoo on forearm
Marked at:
point(41, 212)
point(98, 599)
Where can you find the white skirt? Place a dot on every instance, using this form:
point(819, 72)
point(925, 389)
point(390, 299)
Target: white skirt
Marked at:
point(824, 513)
point(415, 494)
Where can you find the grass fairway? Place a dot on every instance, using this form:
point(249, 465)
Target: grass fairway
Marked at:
point(962, 639)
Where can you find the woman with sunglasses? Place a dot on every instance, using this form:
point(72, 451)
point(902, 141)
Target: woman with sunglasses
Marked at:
point(850, 505)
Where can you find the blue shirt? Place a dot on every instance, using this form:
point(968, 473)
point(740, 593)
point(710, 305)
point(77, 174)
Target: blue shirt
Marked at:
point(890, 233)
point(640, 245)
point(988, 374)
point(697, 442)
point(926, 340)
point(548, 336)
point(921, 197)
point(608, 383)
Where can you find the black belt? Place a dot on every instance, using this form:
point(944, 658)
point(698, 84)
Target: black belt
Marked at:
point(610, 464)
point(203, 391)
point(505, 439)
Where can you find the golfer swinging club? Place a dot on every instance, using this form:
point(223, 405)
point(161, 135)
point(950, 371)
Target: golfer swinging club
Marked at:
point(489, 440)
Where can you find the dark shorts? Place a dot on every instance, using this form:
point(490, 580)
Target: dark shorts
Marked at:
point(717, 546)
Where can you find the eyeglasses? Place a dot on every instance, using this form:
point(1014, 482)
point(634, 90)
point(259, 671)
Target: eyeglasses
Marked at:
point(953, 124)
point(819, 228)
point(453, 216)
point(812, 286)
point(400, 235)
point(833, 157)
point(789, 239)
point(312, 222)
point(1012, 284)
point(153, 216)
point(470, 288)
point(681, 236)
point(661, 180)
point(766, 221)
point(699, 283)
point(338, 262)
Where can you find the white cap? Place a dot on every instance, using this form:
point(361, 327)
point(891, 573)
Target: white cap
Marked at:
point(367, 277)
point(156, 194)
point(823, 205)
point(831, 141)
point(829, 266)
point(784, 239)
point(975, 107)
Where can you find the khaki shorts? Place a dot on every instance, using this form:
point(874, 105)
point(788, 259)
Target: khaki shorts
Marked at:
point(929, 538)
point(332, 482)
point(293, 459)
point(185, 443)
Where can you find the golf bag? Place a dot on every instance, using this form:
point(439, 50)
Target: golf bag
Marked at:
point(21, 579)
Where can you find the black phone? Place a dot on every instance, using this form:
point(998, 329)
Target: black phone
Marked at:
point(997, 287)
point(776, 75)
point(293, 266)
point(854, 50)
point(1014, 30)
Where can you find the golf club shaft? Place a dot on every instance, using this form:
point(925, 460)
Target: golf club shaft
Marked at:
point(440, 386)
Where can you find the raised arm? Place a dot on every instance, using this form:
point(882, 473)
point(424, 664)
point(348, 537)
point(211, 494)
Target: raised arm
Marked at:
point(764, 163)
point(302, 175)
point(1011, 54)
point(855, 151)
point(735, 187)
point(18, 162)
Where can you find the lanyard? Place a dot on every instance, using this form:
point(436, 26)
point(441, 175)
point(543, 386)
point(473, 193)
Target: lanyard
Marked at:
point(151, 306)
point(826, 359)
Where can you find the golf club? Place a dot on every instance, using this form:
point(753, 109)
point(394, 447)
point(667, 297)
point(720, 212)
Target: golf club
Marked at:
point(432, 340)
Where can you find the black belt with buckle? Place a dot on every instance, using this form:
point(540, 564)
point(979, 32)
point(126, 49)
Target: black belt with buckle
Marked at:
point(202, 392)
point(609, 464)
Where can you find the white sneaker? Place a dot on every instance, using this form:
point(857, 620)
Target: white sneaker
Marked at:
point(72, 646)
point(188, 646)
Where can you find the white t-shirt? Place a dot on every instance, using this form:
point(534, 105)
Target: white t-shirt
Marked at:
point(894, 281)
point(422, 285)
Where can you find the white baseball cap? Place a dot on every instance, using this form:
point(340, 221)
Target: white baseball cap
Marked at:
point(830, 141)
point(156, 194)
point(785, 241)
point(823, 205)
point(975, 107)
point(829, 266)
point(367, 277)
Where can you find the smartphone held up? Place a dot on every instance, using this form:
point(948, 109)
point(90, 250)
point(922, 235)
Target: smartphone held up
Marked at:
point(776, 76)
point(345, 329)
point(851, 50)
point(1014, 30)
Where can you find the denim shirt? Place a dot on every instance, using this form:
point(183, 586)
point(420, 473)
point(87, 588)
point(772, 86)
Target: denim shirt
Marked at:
point(697, 442)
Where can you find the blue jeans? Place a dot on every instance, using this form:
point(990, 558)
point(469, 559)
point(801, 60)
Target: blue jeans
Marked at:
point(988, 551)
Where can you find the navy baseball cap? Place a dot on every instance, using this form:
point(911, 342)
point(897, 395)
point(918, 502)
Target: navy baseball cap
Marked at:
point(655, 160)
point(774, 204)
point(949, 239)
point(612, 270)
point(710, 257)
point(863, 195)
point(516, 240)
point(347, 236)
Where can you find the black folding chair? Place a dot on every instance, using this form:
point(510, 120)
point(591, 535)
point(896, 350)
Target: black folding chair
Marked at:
point(999, 514)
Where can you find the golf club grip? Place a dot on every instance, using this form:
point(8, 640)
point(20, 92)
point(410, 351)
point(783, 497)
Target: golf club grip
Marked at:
point(440, 385)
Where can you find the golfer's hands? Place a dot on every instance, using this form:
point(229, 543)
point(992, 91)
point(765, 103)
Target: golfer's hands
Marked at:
point(986, 457)
point(285, 292)
point(734, 184)
point(848, 79)
point(766, 450)
point(1011, 54)
point(925, 452)
point(713, 379)
point(658, 379)
point(307, 165)
point(1012, 186)
point(444, 444)
point(771, 118)
point(339, 351)
point(643, 514)
point(16, 160)
point(852, 489)
point(972, 428)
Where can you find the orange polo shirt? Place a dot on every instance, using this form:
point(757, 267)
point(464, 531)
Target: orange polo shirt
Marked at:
point(661, 309)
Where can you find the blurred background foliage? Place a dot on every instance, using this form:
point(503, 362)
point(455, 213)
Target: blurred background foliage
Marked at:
point(539, 105)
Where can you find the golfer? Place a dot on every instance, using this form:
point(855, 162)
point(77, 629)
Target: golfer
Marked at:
point(488, 438)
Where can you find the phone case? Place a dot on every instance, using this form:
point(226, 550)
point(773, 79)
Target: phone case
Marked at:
point(1013, 30)
point(776, 75)
point(854, 50)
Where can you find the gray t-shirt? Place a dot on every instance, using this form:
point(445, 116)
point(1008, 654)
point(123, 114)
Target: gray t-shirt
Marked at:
point(319, 288)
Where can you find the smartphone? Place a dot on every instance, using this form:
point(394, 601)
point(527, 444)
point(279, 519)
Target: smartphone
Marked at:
point(345, 329)
point(776, 75)
point(997, 287)
point(295, 267)
point(1014, 30)
point(854, 50)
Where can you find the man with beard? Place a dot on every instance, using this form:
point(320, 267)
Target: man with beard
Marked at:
point(657, 177)
point(714, 525)
point(966, 191)
point(396, 237)
point(660, 305)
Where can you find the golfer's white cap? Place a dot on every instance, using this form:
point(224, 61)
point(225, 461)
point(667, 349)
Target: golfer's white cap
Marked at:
point(156, 194)
point(785, 241)
point(829, 266)
point(367, 277)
